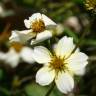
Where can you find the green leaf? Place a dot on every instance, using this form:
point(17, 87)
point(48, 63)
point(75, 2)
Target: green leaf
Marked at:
point(34, 89)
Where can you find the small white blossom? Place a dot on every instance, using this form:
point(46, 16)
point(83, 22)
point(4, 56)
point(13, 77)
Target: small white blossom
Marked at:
point(60, 66)
point(73, 23)
point(15, 54)
point(58, 30)
point(39, 27)
point(4, 12)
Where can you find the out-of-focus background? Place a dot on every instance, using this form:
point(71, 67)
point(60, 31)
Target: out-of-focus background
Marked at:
point(76, 16)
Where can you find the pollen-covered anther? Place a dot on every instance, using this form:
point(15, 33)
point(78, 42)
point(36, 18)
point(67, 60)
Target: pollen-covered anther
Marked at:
point(38, 26)
point(17, 46)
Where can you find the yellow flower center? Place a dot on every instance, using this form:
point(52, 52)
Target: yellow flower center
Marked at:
point(58, 64)
point(17, 46)
point(90, 4)
point(38, 26)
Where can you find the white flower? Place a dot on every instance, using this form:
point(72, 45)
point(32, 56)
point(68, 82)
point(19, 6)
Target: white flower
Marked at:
point(15, 54)
point(60, 66)
point(39, 27)
point(4, 12)
point(73, 23)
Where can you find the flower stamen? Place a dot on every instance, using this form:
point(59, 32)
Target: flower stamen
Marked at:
point(17, 46)
point(38, 26)
point(58, 64)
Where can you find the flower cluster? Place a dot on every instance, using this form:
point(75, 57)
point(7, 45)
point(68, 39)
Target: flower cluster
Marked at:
point(90, 5)
point(59, 64)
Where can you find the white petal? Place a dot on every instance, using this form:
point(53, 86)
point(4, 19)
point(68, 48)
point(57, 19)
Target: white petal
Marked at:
point(78, 56)
point(42, 36)
point(21, 36)
point(27, 23)
point(2, 56)
point(80, 72)
point(12, 58)
point(77, 61)
point(35, 16)
point(26, 54)
point(47, 20)
point(45, 76)
point(41, 54)
point(64, 46)
point(64, 82)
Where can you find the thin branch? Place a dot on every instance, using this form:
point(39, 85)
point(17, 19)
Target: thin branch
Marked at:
point(50, 90)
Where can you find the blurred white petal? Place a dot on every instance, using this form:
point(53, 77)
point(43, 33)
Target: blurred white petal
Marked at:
point(26, 54)
point(59, 29)
point(21, 36)
point(73, 23)
point(80, 72)
point(41, 54)
point(42, 37)
point(64, 82)
point(47, 20)
point(2, 56)
point(45, 76)
point(12, 58)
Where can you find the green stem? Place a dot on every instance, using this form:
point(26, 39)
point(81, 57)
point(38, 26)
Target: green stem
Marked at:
point(91, 42)
point(79, 43)
point(71, 34)
point(50, 90)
